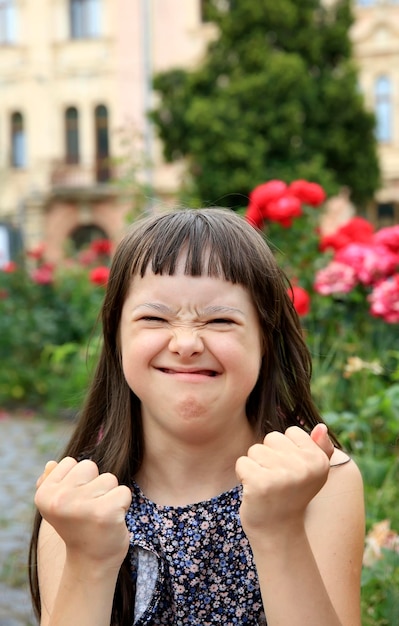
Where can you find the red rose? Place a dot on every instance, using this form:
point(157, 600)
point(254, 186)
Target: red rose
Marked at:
point(44, 274)
point(101, 246)
point(99, 275)
point(300, 299)
point(284, 210)
point(9, 267)
point(37, 253)
point(356, 230)
point(254, 216)
point(267, 192)
point(308, 193)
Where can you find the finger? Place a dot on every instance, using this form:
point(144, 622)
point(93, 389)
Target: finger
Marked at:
point(298, 436)
point(320, 436)
point(58, 471)
point(246, 468)
point(84, 472)
point(277, 440)
point(102, 484)
point(121, 496)
point(79, 473)
point(50, 465)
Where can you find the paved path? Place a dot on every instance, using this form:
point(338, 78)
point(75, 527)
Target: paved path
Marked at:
point(25, 445)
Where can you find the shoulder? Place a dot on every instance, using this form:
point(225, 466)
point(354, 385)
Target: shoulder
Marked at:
point(344, 476)
point(344, 468)
point(341, 499)
point(339, 457)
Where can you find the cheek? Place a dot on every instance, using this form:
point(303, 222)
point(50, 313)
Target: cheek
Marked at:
point(138, 351)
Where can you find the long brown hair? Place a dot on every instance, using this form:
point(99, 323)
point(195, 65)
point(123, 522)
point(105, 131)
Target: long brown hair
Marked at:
point(219, 243)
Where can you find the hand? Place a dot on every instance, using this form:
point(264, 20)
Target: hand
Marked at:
point(281, 476)
point(87, 510)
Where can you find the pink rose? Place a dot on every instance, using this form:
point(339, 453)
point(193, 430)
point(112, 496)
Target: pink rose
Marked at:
point(335, 278)
point(388, 237)
point(384, 299)
point(369, 262)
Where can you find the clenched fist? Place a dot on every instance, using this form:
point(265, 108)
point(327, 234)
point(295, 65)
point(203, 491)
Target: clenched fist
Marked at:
point(281, 476)
point(86, 509)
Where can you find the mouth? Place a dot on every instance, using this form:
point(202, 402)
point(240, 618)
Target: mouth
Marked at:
point(189, 373)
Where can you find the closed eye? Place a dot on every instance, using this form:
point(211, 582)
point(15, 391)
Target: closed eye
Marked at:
point(221, 320)
point(151, 318)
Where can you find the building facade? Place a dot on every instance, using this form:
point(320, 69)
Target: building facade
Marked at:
point(74, 90)
point(375, 37)
point(75, 85)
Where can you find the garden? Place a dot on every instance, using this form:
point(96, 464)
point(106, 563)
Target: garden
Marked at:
point(345, 287)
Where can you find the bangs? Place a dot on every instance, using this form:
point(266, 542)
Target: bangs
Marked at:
point(211, 246)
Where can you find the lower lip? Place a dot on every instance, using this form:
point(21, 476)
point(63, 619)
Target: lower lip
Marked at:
point(190, 377)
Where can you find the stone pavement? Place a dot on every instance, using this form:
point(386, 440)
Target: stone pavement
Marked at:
point(26, 443)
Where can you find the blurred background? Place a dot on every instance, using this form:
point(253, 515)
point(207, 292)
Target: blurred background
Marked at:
point(113, 109)
point(76, 83)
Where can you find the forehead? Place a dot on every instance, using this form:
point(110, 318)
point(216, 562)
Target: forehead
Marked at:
point(185, 287)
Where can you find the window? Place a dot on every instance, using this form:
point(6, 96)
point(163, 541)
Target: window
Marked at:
point(385, 214)
point(102, 148)
point(18, 148)
point(383, 109)
point(71, 135)
point(7, 21)
point(83, 236)
point(85, 18)
point(5, 254)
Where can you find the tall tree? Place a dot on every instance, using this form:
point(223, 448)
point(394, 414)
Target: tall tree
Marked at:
point(276, 97)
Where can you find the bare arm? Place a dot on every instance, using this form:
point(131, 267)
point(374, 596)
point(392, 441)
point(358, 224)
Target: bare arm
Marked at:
point(305, 524)
point(82, 542)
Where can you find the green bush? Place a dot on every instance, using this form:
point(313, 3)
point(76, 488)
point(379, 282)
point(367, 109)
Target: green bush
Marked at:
point(46, 321)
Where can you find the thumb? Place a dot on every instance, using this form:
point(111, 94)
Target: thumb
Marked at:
point(50, 465)
point(320, 436)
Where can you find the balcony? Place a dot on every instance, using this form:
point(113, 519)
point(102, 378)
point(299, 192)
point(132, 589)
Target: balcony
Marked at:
point(76, 181)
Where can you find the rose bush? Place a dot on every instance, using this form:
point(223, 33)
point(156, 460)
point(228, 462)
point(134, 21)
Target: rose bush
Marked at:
point(345, 287)
point(47, 315)
point(355, 270)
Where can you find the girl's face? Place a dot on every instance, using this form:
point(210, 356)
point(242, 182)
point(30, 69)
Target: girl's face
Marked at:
point(191, 352)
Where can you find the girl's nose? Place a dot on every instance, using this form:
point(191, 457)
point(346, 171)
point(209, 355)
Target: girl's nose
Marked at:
point(186, 342)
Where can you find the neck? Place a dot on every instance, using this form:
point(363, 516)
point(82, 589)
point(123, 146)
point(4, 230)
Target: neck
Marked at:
point(176, 473)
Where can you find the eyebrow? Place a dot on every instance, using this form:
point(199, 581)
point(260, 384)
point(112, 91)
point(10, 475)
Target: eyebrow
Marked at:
point(222, 309)
point(162, 308)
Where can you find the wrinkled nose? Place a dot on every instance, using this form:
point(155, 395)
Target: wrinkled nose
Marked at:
point(186, 342)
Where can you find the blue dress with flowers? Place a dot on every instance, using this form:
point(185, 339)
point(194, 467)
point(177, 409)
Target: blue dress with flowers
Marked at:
point(192, 564)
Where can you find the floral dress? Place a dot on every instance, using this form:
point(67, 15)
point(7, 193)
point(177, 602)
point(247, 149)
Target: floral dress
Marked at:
point(192, 564)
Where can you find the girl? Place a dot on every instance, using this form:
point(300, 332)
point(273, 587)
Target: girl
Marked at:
point(200, 486)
